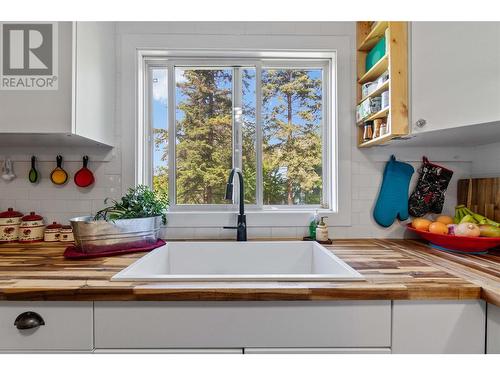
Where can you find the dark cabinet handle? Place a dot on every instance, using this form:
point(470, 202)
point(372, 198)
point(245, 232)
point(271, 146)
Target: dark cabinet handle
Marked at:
point(29, 320)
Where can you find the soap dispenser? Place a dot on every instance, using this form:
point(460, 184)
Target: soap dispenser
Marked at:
point(322, 230)
point(313, 225)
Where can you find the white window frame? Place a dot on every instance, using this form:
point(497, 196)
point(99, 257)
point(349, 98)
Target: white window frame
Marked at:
point(148, 60)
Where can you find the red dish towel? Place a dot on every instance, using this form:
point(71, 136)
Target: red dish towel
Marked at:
point(74, 252)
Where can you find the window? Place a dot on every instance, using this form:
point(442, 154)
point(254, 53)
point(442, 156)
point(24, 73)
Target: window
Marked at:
point(268, 117)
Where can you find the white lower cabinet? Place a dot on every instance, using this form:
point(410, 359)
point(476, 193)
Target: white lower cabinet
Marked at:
point(51, 326)
point(493, 330)
point(438, 327)
point(274, 327)
point(295, 324)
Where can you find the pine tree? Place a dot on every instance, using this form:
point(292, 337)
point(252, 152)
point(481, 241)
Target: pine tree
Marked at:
point(248, 135)
point(160, 174)
point(292, 142)
point(204, 141)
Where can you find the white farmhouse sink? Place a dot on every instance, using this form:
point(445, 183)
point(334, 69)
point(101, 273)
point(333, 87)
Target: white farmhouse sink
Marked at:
point(238, 261)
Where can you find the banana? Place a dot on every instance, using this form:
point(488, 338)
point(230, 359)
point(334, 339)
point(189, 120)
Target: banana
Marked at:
point(468, 219)
point(493, 223)
point(465, 215)
point(459, 214)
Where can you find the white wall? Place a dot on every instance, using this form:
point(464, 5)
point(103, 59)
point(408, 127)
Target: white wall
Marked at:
point(367, 169)
point(60, 203)
point(486, 160)
point(113, 176)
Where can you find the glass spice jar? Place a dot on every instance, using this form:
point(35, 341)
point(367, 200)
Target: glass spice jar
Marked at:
point(376, 127)
point(383, 128)
point(368, 131)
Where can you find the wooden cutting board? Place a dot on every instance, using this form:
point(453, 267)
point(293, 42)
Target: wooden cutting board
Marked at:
point(481, 195)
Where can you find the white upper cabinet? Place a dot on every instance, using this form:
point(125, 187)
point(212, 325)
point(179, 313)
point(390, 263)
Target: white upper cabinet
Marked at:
point(83, 104)
point(455, 74)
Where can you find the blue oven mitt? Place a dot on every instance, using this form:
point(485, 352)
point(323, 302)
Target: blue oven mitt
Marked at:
point(392, 201)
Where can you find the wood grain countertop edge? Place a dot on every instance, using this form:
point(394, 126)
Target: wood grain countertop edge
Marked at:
point(444, 281)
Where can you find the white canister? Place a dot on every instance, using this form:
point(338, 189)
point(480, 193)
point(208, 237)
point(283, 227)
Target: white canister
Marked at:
point(385, 99)
point(367, 89)
point(66, 234)
point(9, 225)
point(52, 232)
point(31, 228)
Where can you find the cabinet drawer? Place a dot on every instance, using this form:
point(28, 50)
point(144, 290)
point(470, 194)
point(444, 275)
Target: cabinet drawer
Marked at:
point(67, 326)
point(438, 327)
point(242, 324)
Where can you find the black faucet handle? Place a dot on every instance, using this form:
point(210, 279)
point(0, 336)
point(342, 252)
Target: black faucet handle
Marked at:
point(229, 227)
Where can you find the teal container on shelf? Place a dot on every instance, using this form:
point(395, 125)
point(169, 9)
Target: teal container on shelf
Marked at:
point(375, 54)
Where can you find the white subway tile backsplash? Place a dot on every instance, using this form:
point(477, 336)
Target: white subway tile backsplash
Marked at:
point(53, 193)
point(365, 180)
point(13, 193)
point(26, 205)
point(112, 180)
point(366, 218)
point(367, 192)
point(96, 205)
point(359, 231)
point(62, 217)
point(207, 233)
point(258, 232)
point(65, 206)
point(284, 232)
point(177, 233)
point(355, 218)
point(337, 232)
point(362, 205)
point(302, 232)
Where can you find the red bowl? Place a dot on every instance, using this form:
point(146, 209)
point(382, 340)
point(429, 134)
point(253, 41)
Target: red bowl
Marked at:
point(458, 243)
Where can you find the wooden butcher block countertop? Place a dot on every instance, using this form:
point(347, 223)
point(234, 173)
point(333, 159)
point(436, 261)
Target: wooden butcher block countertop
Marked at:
point(394, 270)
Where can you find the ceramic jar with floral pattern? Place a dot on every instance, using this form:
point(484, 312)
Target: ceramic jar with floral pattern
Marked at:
point(66, 234)
point(9, 225)
point(52, 232)
point(31, 228)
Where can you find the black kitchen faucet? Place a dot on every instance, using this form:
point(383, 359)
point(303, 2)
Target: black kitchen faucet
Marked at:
point(241, 227)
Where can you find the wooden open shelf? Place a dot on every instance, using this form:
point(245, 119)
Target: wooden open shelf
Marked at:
point(376, 71)
point(377, 92)
point(380, 114)
point(395, 61)
point(376, 33)
point(376, 141)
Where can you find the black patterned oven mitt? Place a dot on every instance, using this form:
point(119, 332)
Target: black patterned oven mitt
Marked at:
point(428, 195)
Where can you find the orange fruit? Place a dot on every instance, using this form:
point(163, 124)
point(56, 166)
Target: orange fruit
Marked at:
point(438, 228)
point(445, 219)
point(421, 224)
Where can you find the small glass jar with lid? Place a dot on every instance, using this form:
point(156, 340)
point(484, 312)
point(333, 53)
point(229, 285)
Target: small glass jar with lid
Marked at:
point(368, 131)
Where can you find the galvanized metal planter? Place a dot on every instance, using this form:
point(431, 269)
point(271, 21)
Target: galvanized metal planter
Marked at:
point(95, 236)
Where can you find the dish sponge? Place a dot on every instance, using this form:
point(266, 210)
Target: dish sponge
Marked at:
point(392, 201)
